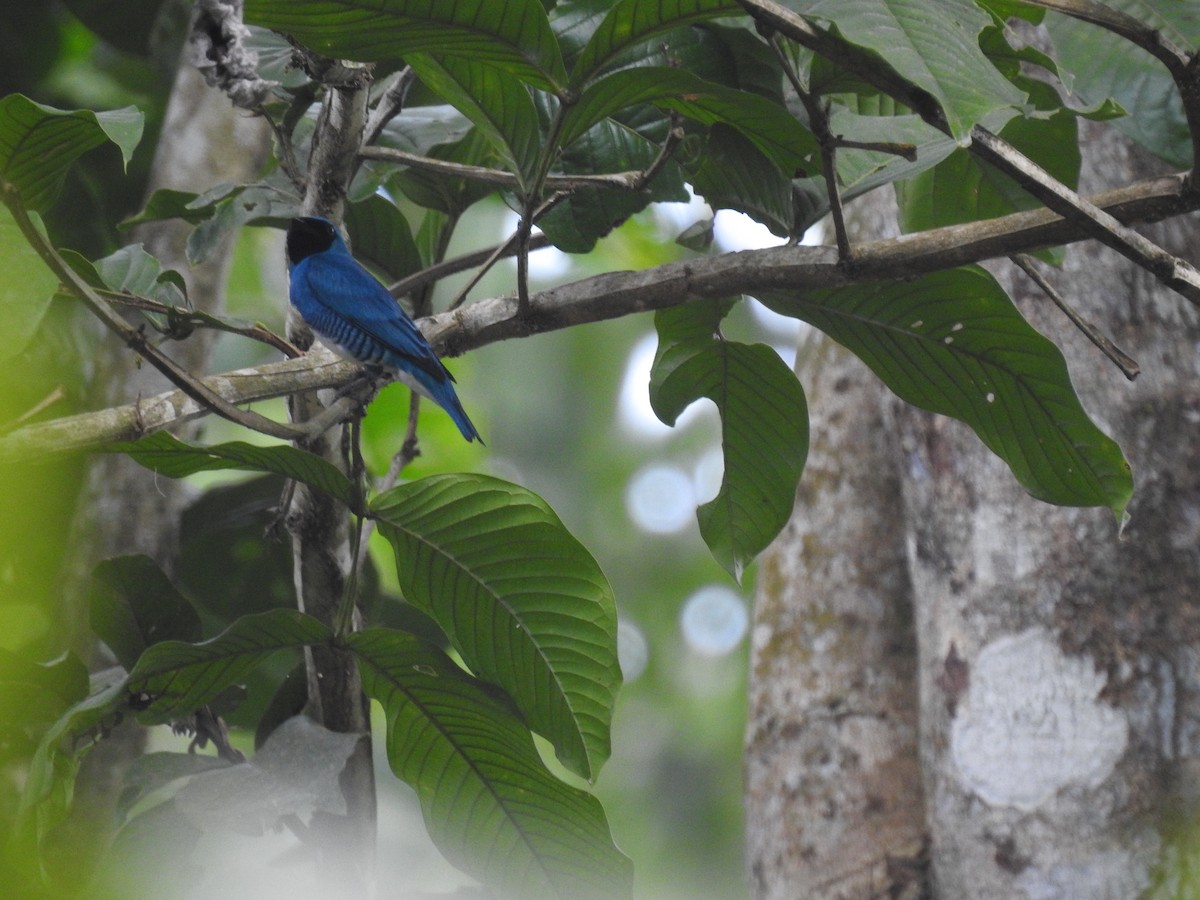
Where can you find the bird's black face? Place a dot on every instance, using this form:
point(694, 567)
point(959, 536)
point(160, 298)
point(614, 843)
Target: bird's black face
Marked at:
point(308, 235)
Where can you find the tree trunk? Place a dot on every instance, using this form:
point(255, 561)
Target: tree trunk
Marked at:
point(204, 141)
point(1056, 660)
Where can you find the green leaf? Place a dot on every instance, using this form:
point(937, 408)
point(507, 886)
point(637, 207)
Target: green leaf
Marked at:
point(498, 104)
point(953, 343)
point(514, 36)
point(38, 143)
point(1104, 65)
point(764, 426)
point(135, 271)
point(591, 213)
point(167, 455)
point(174, 678)
point(522, 601)
point(769, 126)
point(381, 237)
point(50, 779)
point(731, 173)
point(963, 189)
point(450, 196)
point(133, 605)
point(26, 290)
point(489, 803)
point(632, 22)
point(934, 44)
point(166, 203)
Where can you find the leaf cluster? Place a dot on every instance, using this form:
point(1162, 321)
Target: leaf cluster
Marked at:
point(578, 115)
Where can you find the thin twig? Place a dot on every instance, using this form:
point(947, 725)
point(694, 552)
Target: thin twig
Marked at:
point(388, 106)
point(818, 122)
point(438, 271)
point(287, 154)
point(133, 337)
point(200, 319)
point(1170, 270)
point(618, 181)
point(1122, 360)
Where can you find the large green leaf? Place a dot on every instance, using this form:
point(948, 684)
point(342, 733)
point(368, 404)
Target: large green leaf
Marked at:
point(167, 455)
point(953, 343)
point(779, 136)
point(1104, 65)
point(382, 238)
point(174, 678)
point(514, 35)
point(934, 44)
point(26, 290)
point(522, 601)
point(962, 188)
point(764, 426)
point(591, 213)
point(489, 803)
point(497, 103)
point(631, 22)
point(132, 604)
point(38, 143)
point(731, 173)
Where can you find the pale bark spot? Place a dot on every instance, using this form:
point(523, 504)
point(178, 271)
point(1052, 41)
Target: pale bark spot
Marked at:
point(1031, 723)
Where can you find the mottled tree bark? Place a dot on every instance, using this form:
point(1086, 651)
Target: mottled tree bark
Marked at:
point(1057, 669)
point(1056, 660)
point(833, 789)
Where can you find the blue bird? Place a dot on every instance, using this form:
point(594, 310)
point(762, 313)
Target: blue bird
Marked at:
point(355, 315)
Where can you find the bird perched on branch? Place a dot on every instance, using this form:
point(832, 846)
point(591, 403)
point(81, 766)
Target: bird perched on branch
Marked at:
point(355, 315)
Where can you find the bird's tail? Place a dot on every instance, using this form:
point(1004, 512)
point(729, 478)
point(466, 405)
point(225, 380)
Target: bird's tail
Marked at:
point(444, 395)
point(461, 419)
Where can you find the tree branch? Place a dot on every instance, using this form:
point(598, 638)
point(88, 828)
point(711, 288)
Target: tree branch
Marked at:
point(133, 337)
point(617, 294)
point(1171, 271)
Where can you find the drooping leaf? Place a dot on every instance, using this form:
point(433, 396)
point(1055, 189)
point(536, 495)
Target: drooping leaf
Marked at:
point(154, 771)
point(514, 36)
point(166, 203)
point(934, 44)
point(38, 143)
point(26, 290)
point(133, 604)
point(769, 126)
point(764, 426)
point(174, 678)
point(167, 455)
point(521, 600)
point(232, 560)
point(133, 270)
point(1104, 65)
point(632, 22)
point(961, 188)
point(381, 237)
point(489, 803)
point(953, 343)
point(497, 103)
point(591, 213)
point(731, 173)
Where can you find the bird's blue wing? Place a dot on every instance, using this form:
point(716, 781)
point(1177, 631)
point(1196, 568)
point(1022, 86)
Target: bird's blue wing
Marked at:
point(335, 286)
